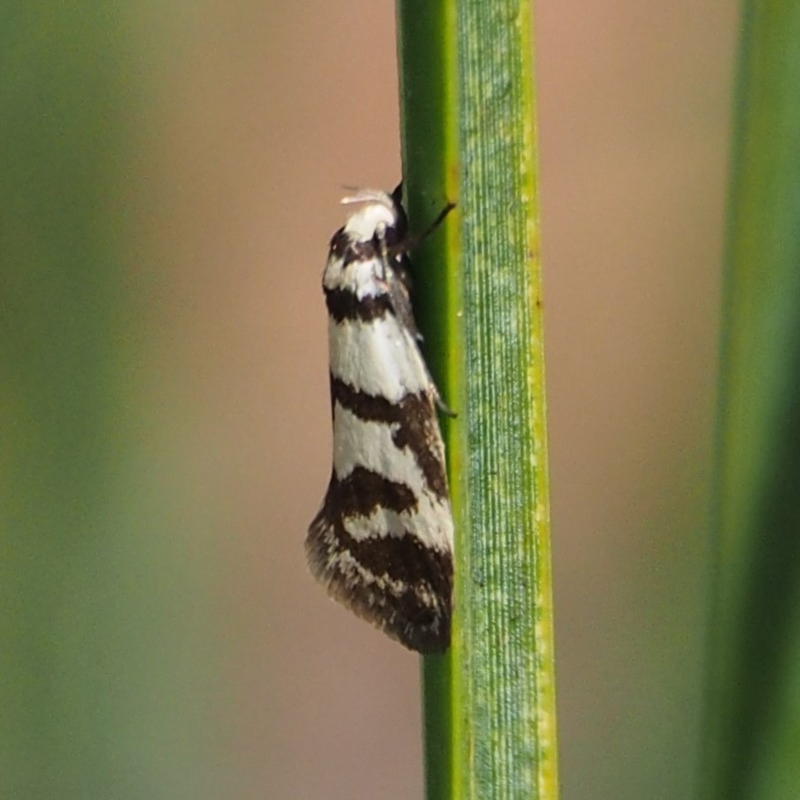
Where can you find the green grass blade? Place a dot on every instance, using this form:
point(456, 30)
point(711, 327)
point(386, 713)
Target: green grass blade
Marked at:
point(754, 689)
point(426, 46)
point(469, 136)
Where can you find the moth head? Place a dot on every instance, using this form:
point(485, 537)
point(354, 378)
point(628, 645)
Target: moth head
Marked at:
point(380, 217)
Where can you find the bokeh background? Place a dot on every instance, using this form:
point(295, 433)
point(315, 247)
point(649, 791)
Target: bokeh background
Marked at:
point(171, 176)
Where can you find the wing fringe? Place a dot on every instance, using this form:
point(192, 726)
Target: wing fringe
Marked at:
point(396, 583)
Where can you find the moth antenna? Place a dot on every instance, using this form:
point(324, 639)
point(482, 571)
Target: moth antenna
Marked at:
point(413, 240)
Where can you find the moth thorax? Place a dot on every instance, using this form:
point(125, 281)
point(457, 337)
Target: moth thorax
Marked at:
point(370, 221)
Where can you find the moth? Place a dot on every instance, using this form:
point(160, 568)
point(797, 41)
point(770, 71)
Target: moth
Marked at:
point(382, 543)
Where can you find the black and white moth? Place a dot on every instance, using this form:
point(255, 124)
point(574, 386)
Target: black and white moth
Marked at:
point(382, 543)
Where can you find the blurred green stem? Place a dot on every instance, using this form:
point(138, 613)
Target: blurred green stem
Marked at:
point(753, 735)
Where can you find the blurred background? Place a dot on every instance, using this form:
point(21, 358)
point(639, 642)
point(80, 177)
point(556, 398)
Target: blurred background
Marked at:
point(170, 180)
